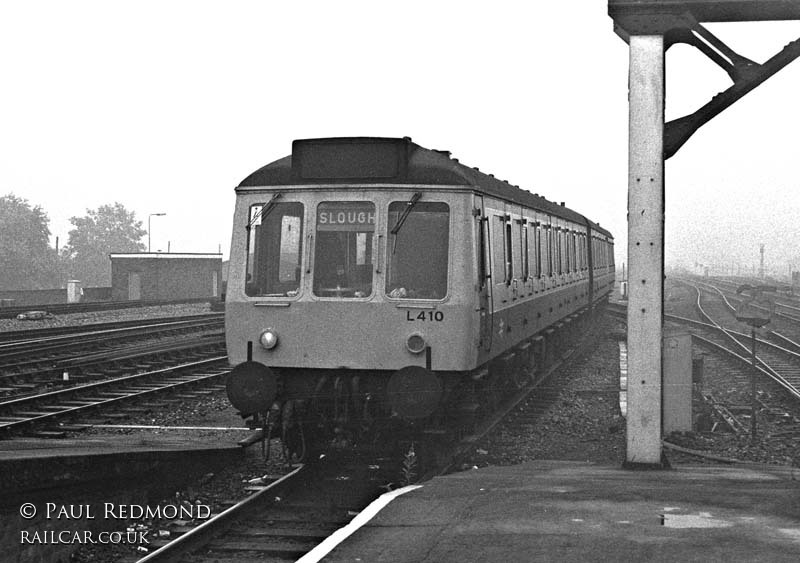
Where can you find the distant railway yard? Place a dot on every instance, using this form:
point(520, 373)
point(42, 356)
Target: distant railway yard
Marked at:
point(161, 377)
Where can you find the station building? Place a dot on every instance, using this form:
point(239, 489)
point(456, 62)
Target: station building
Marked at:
point(149, 276)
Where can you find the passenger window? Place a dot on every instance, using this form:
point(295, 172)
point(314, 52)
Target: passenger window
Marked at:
point(499, 249)
point(343, 249)
point(509, 253)
point(482, 252)
point(525, 250)
point(418, 251)
point(559, 236)
point(274, 250)
point(574, 253)
point(548, 248)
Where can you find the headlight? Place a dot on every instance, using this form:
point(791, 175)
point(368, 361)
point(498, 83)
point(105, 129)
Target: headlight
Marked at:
point(268, 339)
point(415, 343)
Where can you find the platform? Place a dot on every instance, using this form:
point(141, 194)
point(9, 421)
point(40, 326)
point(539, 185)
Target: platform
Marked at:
point(574, 511)
point(34, 464)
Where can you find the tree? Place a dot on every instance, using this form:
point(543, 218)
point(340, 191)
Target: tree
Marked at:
point(26, 259)
point(110, 228)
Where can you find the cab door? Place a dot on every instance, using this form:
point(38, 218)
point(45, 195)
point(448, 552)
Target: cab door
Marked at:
point(484, 282)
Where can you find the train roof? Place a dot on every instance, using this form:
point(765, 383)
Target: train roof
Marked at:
point(391, 160)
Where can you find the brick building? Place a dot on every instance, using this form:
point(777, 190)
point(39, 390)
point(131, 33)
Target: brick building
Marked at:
point(151, 276)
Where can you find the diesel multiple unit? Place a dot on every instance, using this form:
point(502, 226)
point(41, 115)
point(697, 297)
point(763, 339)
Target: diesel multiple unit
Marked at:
point(371, 278)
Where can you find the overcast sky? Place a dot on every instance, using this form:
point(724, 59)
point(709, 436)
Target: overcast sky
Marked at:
point(167, 106)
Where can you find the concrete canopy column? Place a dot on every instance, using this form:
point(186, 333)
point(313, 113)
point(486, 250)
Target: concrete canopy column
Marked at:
point(645, 247)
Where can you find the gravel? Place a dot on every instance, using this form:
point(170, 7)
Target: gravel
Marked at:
point(75, 319)
point(582, 422)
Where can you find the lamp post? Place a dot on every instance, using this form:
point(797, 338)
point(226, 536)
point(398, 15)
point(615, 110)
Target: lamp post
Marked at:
point(148, 227)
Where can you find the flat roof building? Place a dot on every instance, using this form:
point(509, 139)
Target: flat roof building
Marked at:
point(155, 276)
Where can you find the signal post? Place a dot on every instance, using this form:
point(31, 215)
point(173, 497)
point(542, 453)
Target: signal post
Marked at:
point(650, 27)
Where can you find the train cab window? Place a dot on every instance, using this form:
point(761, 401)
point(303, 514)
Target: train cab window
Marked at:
point(343, 263)
point(417, 252)
point(274, 250)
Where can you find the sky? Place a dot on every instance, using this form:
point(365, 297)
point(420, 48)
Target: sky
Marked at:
point(166, 106)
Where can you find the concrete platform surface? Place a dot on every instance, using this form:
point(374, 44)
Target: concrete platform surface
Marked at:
point(27, 448)
point(574, 511)
point(30, 464)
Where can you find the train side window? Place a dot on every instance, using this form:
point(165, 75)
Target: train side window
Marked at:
point(537, 249)
point(559, 234)
point(274, 250)
point(548, 252)
point(509, 252)
point(498, 239)
point(482, 270)
point(343, 252)
point(583, 251)
point(525, 249)
point(573, 250)
point(417, 254)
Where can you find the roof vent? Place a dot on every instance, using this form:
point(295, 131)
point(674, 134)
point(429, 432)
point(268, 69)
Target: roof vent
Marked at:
point(491, 175)
point(407, 139)
point(562, 204)
point(446, 153)
point(454, 159)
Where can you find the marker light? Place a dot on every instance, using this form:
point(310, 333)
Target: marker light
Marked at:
point(415, 343)
point(268, 339)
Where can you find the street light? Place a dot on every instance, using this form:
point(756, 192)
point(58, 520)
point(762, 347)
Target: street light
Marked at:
point(148, 227)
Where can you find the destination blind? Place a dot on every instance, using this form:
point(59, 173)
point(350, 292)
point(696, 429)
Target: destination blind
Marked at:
point(337, 216)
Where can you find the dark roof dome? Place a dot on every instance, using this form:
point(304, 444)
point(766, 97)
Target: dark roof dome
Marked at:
point(383, 160)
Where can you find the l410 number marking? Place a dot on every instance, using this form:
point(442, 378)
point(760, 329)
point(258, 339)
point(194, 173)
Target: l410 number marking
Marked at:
point(425, 316)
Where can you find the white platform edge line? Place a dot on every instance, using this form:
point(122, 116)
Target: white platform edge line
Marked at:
point(328, 545)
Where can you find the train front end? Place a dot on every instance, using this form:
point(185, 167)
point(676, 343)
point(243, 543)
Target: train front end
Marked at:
point(349, 293)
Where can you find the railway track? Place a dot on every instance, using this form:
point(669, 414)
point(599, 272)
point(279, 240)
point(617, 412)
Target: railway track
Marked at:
point(775, 362)
point(77, 402)
point(10, 337)
point(732, 400)
point(286, 516)
point(71, 345)
point(779, 363)
point(785, 324)
point(30, 366)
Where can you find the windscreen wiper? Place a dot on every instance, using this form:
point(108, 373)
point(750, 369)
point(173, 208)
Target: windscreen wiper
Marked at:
point(409, 206)
point(264, 211)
